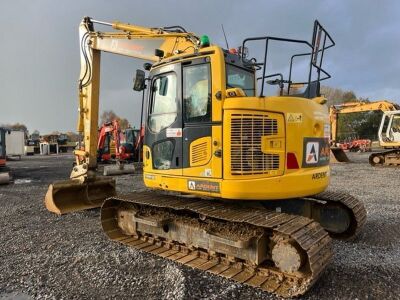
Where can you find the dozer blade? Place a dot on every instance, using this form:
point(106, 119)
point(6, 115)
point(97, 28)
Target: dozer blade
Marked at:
point(71, 195)
point(338, 155)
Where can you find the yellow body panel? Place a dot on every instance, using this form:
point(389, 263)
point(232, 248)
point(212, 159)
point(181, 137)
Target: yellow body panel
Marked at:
point(292, 185)
point(389, 144)
point(297, 118)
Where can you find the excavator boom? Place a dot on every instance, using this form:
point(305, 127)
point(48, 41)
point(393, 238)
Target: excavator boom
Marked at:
point(86, 189)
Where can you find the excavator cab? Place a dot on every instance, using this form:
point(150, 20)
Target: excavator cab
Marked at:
point(212, 129)
point(389, 130)
point(389, 138)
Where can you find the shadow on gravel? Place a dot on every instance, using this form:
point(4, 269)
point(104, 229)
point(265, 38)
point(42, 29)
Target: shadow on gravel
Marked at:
point(381, 233)
point(374, 282)
point(41, 169)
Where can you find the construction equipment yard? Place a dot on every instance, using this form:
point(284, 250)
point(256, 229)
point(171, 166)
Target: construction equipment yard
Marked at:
point(148, 153)
point(63, 257)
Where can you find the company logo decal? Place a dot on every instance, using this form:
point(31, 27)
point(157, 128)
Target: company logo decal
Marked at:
point(203, 186)
point(319, 175)
point(316, 152)
point(312, 153)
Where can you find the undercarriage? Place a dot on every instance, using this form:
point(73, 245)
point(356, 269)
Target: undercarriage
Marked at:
point(278, 252)
point(387, 158)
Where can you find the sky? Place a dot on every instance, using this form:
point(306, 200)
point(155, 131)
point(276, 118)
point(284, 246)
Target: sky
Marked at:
point(39, 48)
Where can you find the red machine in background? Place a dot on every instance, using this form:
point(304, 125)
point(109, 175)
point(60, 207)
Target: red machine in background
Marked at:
point(115, 144)
point(358, 145)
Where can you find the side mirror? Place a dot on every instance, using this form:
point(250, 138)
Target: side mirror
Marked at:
point(139, 82)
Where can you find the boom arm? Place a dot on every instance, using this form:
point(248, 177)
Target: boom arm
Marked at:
point(129, 40)
point(353, 107)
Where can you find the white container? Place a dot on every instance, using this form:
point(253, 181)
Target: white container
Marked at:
point(15, 143)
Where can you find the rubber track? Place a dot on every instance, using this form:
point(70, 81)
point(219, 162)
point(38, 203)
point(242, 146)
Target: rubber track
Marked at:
point(384, 154)
point(309, 235)
point(357, 208)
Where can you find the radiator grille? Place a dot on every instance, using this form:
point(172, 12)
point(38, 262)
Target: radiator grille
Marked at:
point(199, 153)
point(246, 155)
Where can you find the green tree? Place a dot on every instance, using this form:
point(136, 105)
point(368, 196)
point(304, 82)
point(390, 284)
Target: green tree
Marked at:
point(16, 126)
point(72, 136)
point(349, 96)
point(363, 125)
point(337, 96)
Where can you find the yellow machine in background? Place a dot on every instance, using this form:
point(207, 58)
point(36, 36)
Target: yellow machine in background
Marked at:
point(386, 134)
point(255, 167)
point(389, 138)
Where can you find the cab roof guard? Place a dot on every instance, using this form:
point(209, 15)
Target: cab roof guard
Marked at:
point(321, 41)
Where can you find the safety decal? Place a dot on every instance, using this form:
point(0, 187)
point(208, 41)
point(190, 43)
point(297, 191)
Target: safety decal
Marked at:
point(206, 173)
point(316, 152)
point(148, 176)
point(203, 186)
point(294, 118)
point(174, 132)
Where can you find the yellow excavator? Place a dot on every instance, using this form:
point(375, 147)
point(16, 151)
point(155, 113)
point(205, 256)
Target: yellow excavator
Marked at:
point(389, 138)
point(388, 131)
point(237, 179)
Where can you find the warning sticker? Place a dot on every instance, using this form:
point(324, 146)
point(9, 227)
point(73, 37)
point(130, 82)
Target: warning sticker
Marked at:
point(174, 132)
point(316, 152)
point(294, 117)
point(206, 173)
point(151, 177)
point(203, 186)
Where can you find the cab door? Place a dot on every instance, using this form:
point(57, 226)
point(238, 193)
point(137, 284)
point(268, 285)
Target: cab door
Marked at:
point(200, 157)
point(163, 135)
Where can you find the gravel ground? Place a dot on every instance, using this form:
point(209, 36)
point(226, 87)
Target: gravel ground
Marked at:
point(44, 256)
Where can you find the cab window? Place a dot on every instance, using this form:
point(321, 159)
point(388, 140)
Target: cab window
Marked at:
point(162, 155)
point(240, 78)
point(163, 108)
point(197, 93)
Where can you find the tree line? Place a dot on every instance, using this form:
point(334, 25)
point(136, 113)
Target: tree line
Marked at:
point(360, 125)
